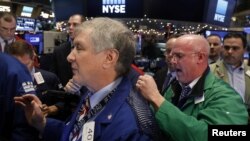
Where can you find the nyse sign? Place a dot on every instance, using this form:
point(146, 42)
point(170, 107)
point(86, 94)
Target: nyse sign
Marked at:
point(113, 9)
point(113, 6)
point(219, 18)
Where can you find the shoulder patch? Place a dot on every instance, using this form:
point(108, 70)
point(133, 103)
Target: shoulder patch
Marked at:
point(28, 86)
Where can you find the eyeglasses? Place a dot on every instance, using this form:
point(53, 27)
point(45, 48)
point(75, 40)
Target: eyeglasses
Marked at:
point(179, 56)
point(5, 29)
point(234, 48)
point(167, 52)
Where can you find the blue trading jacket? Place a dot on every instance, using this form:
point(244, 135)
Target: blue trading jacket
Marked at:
point(126, 117)
point(15, 80)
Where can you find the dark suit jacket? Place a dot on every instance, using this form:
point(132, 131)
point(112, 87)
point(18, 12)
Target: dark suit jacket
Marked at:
point(160, 76)
point(60, 66)
point(64, 103)
point(51, 83)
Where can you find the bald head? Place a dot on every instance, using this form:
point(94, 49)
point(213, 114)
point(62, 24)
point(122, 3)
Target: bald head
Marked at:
point(195, 42)
point(190, 57)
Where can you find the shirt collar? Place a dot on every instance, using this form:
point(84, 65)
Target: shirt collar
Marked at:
point(99, 95)
point(32, 73)
point(231, 68)
point(191, 85)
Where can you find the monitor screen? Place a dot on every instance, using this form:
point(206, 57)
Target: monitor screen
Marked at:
point(25, 24)
point(36, 40)
point(27, 11)
point(219, 12)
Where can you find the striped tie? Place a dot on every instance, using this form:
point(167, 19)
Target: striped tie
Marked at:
point(184, 94)
point(75, 133)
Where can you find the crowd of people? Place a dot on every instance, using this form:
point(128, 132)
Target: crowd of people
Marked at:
point(93, 91)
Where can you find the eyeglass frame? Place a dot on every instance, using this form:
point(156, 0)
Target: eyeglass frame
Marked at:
point(5, 29)
point(178, 55)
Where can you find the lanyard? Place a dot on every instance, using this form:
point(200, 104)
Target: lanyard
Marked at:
point(96, 109)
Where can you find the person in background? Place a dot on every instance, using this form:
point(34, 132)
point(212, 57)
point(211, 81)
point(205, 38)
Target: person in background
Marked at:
point(61, 67)
point(215, 44)
point(7, 30)
point(59, 64)
point(7, 33)
point(204, 99)
point(43, 80)
point(232, 69)
point(102, 56)
point(164, 76)
point(15, 80)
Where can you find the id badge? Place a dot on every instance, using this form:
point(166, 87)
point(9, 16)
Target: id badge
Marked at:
point(88, 131)
point(38, 77)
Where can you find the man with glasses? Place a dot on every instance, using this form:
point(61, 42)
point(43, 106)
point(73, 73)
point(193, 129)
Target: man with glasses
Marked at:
point(204, 99)
point(232, 68)
point(7, 30)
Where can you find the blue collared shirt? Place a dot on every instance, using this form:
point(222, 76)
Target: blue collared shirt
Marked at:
point(99, 95)
point(237, 79)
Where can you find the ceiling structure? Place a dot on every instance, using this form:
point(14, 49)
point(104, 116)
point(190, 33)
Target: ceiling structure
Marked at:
point(241, 17)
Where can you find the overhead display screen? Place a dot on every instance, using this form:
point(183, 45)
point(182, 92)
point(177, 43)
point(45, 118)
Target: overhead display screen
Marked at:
point(219, 12)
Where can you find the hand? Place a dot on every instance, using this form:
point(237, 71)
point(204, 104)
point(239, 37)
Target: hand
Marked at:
point(32, 108)
point(149, 90)
point(49, 110)
point(72, 87)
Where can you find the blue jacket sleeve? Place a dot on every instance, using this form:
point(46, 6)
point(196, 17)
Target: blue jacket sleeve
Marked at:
point(53, 130)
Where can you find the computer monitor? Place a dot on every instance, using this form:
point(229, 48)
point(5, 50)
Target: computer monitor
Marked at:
point(27, 11)
point(25, 24)
point(36, 40)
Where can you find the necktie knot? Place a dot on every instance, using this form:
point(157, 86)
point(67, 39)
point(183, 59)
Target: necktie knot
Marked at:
point(184, 93)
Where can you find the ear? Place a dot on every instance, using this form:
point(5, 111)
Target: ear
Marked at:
point(201, 57)
point(111, 58)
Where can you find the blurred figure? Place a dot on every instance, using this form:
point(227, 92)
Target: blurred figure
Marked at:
point(60, 66)
point(149, 49)
point(232, 68)
point(101, 59)
point(203, 99)
point(164, 76)
point(15, 80)
point(215, 44)
point(43, 80)
point(7, 30)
